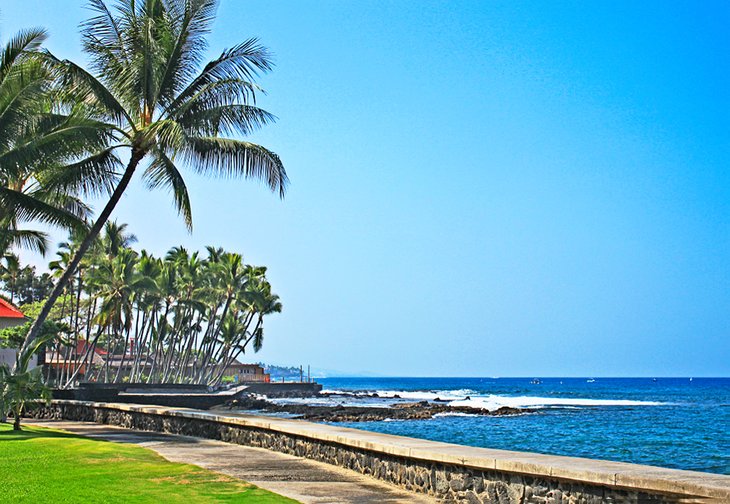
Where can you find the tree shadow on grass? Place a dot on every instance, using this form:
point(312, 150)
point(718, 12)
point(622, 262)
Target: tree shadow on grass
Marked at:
point(112, 435)
point(31, 432)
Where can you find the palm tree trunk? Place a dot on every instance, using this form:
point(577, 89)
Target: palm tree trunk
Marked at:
point(35, 328)
point(140, 340)
point(228, 360)
point(76, 323)
point(88, 355)
point(16, 420)
point(159, 348)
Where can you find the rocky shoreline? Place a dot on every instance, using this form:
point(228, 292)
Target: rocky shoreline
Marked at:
point(402, 411)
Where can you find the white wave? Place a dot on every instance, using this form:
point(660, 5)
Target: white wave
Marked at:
point(494, 402)
point(419, 395)
point(460, 397)
point(455, 413)
point(411, 395)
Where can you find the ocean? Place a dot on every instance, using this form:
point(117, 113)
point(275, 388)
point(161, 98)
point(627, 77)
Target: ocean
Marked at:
point(680, 423)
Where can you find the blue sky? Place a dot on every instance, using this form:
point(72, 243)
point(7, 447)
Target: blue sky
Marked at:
point(478, 188)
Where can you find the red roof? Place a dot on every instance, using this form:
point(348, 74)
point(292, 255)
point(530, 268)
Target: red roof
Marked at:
point(9, 311)
point(82, 346)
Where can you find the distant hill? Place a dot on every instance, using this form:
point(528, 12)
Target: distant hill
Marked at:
point(292, 372)
point(279, 372)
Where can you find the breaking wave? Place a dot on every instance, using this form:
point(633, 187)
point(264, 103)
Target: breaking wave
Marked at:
point(469, 398)
point(493, 402)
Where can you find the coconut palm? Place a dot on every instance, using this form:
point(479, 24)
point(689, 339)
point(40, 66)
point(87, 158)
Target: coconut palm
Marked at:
point(10, 272)
point(181, 319)
point(48, 151)
point(116, 238)
point(168, 112)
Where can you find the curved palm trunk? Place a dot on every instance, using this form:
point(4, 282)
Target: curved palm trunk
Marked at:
point(118, 376)
point(86, 361)
point(76, 325)
point(228, 360)
point(35, 328)
point(159, 349)
point(140, 343)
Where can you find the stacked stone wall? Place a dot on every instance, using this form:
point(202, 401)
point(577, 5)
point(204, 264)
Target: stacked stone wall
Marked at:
point(448, 482)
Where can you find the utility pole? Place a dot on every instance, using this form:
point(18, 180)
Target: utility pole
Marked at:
point(301, 374)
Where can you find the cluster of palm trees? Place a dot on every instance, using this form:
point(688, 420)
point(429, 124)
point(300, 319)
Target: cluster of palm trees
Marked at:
point(148, 105)
point(178, 319)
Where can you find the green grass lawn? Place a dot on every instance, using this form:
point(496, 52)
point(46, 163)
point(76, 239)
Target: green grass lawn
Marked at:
point(46, 465)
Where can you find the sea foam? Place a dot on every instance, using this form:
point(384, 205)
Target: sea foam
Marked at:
point(494, 402)
point(470, 398)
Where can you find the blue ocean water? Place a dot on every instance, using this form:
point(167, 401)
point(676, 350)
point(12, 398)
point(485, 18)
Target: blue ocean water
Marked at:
point(669, 422)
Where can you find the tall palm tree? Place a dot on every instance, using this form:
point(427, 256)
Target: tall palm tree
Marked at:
point(147, 83)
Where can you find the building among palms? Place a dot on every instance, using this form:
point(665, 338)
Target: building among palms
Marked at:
point(74, 360)
point(10, 316)
point(247, 373)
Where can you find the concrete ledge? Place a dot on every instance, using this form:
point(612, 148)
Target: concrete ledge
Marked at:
point(450, 469)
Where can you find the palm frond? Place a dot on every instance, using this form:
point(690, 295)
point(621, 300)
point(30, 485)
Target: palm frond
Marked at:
point(92, 176)
point(225, 120)
point(28, 208)
point(233, 158)
point(23, 42)
point(258, 339)
point(80, 86)
point(190, 21)
point(162, 172)
point(36, 241)
point(244, 61)
point(48, 148)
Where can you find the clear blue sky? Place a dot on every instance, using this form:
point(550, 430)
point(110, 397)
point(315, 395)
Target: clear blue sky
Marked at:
point(478, 188)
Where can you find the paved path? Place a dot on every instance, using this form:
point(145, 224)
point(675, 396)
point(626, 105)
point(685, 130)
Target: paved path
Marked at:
point(301, 479)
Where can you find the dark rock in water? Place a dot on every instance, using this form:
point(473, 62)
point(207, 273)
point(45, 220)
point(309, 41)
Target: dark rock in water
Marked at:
point(422, 410)
point(396, 396)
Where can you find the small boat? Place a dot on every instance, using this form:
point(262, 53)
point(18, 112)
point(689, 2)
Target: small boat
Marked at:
point(590, 380)
point(535, 381)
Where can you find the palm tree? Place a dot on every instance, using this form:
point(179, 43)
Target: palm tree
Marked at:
point(22, 387)
point(116, 238)
point(119, 282)
point(48, 151)
point(166, 110)
point(10, 272)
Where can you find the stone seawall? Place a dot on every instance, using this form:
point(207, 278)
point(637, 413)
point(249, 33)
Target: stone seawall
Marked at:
point(450, 472)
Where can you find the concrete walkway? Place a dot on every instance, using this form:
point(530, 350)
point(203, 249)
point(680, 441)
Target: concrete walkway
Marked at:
point(298, 478)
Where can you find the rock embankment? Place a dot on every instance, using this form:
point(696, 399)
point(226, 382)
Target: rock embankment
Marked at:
point(402, 411)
